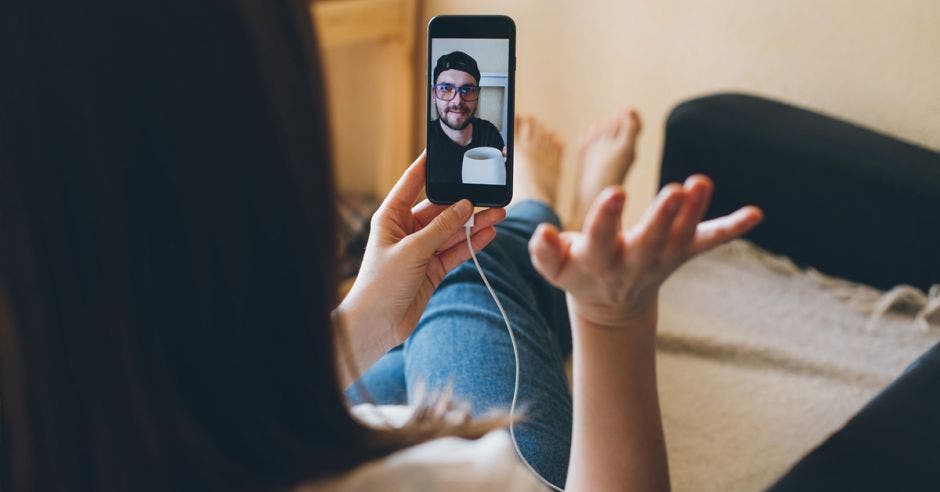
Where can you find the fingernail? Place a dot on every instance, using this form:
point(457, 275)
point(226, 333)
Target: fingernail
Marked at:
point(760, 212)
point(615, 204)
point(673, 204)
point(463, 208)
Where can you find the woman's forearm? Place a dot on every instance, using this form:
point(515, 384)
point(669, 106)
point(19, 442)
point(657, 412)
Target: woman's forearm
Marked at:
point(617, 441)
point(612, 280)
point(359, 342)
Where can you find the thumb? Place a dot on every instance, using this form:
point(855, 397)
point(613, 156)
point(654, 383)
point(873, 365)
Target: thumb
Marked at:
point(432, 236)
point(548, 251)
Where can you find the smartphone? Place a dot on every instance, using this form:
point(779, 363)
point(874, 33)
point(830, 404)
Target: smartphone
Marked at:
point(471, 105)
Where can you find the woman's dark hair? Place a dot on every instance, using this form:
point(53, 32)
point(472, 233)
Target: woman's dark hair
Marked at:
point(167, 250)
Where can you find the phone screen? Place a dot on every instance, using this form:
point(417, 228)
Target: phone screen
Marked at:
point(470, 109)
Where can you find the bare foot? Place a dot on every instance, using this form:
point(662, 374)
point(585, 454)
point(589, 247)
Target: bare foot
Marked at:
point(606, 154)
point(537, 162)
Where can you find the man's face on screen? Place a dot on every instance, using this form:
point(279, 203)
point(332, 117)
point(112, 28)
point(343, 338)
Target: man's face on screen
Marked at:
point(456, 113)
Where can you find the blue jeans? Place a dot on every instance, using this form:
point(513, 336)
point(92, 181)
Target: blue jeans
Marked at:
point(461, 340)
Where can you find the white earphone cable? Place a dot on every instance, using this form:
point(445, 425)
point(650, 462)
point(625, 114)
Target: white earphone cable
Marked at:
point(515, 352)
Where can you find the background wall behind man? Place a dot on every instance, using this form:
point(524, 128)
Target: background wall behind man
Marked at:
point(869, 61)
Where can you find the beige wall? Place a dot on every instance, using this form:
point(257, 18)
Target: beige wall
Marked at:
point(876, 63)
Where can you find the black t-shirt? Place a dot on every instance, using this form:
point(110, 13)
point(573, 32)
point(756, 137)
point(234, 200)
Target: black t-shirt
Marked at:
point(446, 156)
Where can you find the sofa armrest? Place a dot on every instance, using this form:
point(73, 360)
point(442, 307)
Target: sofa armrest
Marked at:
point(846, 200)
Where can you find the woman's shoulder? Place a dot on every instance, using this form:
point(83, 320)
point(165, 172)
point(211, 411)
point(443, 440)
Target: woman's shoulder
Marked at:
point(448, 463)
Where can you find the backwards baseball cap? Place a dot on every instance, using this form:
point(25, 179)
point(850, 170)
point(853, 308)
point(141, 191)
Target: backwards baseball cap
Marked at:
point(457, 60)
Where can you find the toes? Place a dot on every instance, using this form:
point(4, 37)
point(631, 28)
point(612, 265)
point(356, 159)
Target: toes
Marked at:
point(584, 140)
point(538, 132)
point(591, 134)
point(549, 139)
point(635, 124)
point(630, 123)
point(523, 128)
point(635, 118)
point(612, 128)
point(544, 138)
point(530, 126)
point(596, 129)
point(557, 145)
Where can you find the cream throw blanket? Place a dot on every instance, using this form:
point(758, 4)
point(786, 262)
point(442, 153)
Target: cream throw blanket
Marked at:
point(759, 361)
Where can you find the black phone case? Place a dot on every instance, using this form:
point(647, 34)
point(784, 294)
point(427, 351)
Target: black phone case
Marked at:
point(474, 27)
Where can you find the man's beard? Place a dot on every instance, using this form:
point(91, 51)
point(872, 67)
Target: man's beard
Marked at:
point(460, 126)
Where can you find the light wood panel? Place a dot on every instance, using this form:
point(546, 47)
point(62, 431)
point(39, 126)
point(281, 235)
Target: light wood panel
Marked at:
point(388, 27)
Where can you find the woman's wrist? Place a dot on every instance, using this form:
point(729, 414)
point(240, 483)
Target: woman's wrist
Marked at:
point(361, 338)
point(366, 322)
point(638, 320)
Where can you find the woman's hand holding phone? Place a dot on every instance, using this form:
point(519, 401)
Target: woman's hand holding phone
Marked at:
point(410, 250)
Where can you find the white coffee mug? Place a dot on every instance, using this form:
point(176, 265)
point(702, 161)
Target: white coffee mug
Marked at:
point(484, 165)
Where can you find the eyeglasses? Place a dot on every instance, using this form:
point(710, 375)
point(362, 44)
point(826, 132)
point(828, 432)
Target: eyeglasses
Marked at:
point(446, 92)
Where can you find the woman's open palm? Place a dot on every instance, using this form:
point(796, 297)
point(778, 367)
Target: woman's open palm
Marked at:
point(612, 276)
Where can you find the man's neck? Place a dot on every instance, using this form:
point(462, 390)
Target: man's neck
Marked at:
point(460, 137)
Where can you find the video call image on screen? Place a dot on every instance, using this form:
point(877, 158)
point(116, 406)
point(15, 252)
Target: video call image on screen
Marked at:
point(468, 111)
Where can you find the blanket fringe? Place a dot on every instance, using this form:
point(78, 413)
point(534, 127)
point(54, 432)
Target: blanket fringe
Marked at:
point(869, 300)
